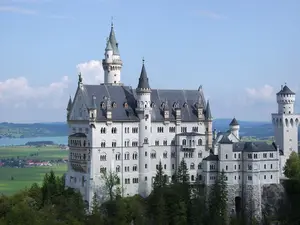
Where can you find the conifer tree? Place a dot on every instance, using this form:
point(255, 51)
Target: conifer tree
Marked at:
point(160, 179)
point(182, 175)
point(218, 200)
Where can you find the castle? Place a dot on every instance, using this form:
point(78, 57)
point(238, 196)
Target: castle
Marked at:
point(113, 127)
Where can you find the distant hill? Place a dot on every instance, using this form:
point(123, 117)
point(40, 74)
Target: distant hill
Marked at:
point(14, 130)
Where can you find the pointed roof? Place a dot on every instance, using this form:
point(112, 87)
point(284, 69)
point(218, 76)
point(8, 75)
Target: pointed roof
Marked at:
point(285, 90)
point(113, 41)
point(234, 122)
point(143, 80)
point(69, 104)
point(208, 115)
point(225, 140)
point(108, 46)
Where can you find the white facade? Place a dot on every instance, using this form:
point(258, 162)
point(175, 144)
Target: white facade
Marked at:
point(128, 131)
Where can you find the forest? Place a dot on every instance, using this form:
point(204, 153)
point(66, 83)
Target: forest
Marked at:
point(176, 203)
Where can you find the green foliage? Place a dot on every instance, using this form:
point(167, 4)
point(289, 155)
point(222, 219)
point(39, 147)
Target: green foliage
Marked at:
point(178, 203)
point(292, 166)
point(160, 180)
point(111, 184)
point(218, 200)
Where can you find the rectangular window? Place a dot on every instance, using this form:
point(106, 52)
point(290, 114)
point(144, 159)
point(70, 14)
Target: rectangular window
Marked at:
point(271, 155)
point(249, 177)
point(265, 155)
point(249, 156)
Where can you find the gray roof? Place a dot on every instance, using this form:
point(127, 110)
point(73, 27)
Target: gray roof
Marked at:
point(113, 41)
point(143, 80)
point(285, 90)
point(78, 135)
point(69, 104)
point(258, 146)
point(108, 46)
point(124, 99)
point(225, 140)
point(212, 158)
point(208, 115)
point(234, 122)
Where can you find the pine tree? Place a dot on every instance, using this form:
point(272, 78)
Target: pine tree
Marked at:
point(218, 200)
point(160, 179)
point(182, 175)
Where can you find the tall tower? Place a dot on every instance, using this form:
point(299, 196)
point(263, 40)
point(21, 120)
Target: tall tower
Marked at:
point(112, 63)
point(285, 123)
point(143, 110)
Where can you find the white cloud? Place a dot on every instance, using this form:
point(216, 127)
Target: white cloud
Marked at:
point(211, 15)
point(13, 9)
point(265, 93)
point(18, 93)
point(91, 71)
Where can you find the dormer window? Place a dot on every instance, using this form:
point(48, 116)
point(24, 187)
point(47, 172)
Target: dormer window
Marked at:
point(125, 105)
point(184, 105)
point(114, 104)
point(152, 105)
point(102, 105)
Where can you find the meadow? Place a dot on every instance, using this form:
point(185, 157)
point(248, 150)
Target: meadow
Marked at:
point(25, 177)
point(41, 153)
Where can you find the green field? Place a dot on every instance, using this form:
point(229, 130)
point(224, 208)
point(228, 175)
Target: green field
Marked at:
point(25, 177)
point(44, 153)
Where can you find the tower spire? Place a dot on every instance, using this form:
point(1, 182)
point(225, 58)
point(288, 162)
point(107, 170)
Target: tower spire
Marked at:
point(143, 85)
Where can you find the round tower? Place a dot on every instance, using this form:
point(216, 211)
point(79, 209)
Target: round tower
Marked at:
point(285, 99)
point(235, 128)
point(112, 63)
point(143, 109)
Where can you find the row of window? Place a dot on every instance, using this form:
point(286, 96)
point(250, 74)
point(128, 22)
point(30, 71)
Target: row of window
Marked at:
point(252, 155)
point(157, 143)
point(77, 156)
point(213, 167)
point(77, 143)
point(152, 155)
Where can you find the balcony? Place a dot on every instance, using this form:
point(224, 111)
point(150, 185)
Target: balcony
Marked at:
point(188, 148)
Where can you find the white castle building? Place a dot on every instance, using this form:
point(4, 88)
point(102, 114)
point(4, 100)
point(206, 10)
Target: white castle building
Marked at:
point(113, 127)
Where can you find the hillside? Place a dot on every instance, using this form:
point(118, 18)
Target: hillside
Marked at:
point(260, 130)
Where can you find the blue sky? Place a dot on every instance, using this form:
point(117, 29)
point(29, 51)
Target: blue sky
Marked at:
point(240, 51)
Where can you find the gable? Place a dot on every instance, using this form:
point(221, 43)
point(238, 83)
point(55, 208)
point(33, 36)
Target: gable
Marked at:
point(79, 107)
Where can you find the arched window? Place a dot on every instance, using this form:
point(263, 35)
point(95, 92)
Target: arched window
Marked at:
point(118, 156)
point(153, 154)
point(165, 154)
point(127, 156)
point(134, 156)
point(192, 166)
point(145, 140)
point(199, 141)
point(102, 144)
point(183, 142)
point(192, 178)
point(102, 157)
point(118, 169)
point(199, 166)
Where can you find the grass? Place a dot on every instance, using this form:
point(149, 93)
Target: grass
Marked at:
point(44, 153)
point(25, 177)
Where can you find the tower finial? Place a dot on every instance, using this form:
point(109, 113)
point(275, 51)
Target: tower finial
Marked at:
point(79, 78)
point(112, 22)
point(143, 60)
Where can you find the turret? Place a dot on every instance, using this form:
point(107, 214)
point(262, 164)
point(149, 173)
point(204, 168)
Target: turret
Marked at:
point(208, 121)
point(235, 128)
point(285, 99)
point(112, 63)
point(143, 110)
